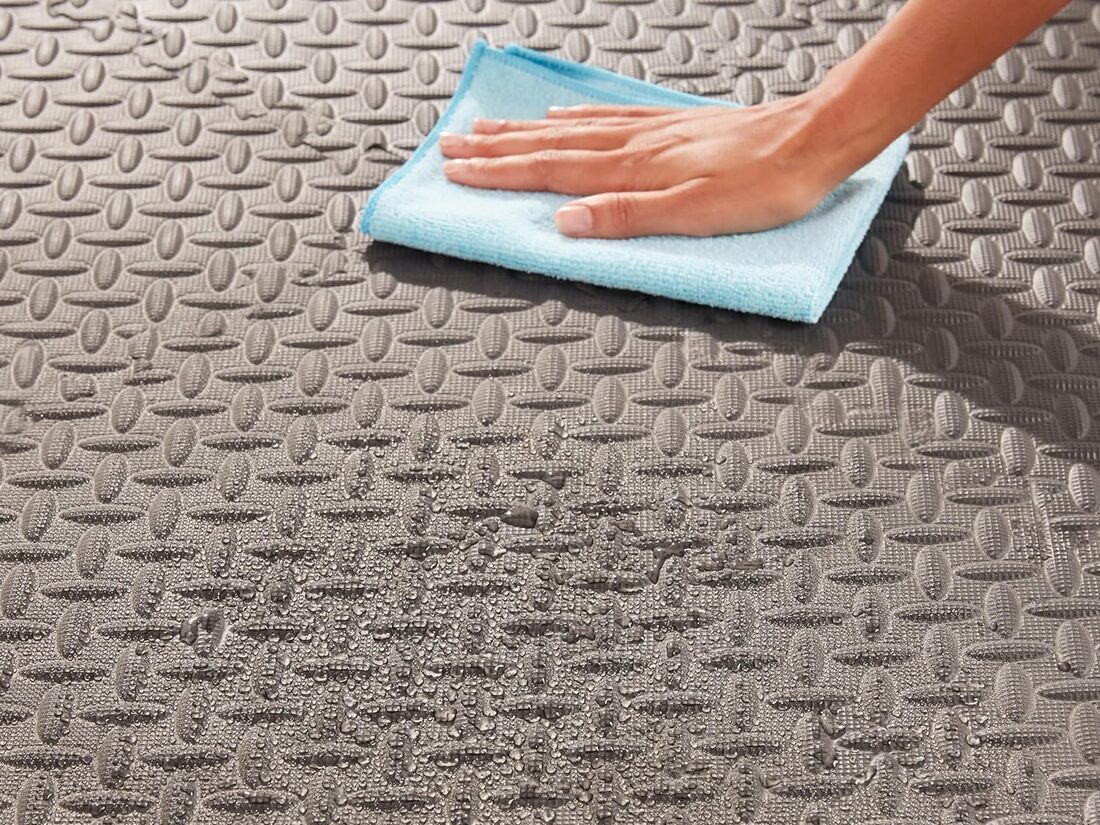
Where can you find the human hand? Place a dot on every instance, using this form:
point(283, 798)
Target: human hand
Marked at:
point(648, 171)
point(713, 170)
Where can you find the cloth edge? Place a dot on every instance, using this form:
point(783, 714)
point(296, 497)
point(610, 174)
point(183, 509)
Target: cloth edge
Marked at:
point(571, 70)
point(467, 77)
point(823, 296)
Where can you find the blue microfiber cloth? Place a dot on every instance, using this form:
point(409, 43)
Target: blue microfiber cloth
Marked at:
point(789, 272)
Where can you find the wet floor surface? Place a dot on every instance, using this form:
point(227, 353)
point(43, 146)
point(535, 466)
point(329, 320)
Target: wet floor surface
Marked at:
point(296, 528)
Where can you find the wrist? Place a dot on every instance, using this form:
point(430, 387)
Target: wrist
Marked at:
point(851, 124)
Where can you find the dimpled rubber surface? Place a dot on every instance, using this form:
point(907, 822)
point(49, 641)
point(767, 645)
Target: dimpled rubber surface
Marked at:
point(294, 528)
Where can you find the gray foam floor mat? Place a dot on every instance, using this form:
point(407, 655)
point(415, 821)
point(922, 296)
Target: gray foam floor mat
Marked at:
point(294, 528)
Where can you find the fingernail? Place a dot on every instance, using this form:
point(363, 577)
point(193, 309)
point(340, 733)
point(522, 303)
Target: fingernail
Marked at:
point(490, 126)
point(574, 220)
point(450, 140)
point(562, 108)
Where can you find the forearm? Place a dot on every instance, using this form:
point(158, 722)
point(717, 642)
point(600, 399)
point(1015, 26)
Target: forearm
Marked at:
point(926, 51)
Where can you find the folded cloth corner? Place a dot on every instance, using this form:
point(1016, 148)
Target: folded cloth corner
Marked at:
point(788, 272)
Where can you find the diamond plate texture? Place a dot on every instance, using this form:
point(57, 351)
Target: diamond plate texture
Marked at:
point(294, 528)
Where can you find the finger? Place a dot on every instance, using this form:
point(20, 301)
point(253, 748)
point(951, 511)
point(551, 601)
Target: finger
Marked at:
point(521, 143)
point(594, 110)
point(568, 172)
point(496, 127)
point(633, 214)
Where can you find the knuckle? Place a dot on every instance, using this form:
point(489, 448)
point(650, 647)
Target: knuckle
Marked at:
point(554, 137)
point(482, 166)
point(641, 155)
point(493, 147)
point(674, 136)
point(636, 165)
point(544, 163)
point(622, 211)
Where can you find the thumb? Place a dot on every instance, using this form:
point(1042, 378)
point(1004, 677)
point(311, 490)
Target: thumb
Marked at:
point(619, 215)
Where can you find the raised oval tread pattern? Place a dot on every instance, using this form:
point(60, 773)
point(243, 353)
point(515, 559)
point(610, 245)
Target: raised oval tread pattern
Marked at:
point(294, 528)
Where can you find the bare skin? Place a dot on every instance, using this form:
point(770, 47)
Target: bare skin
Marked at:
point(713, 170)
